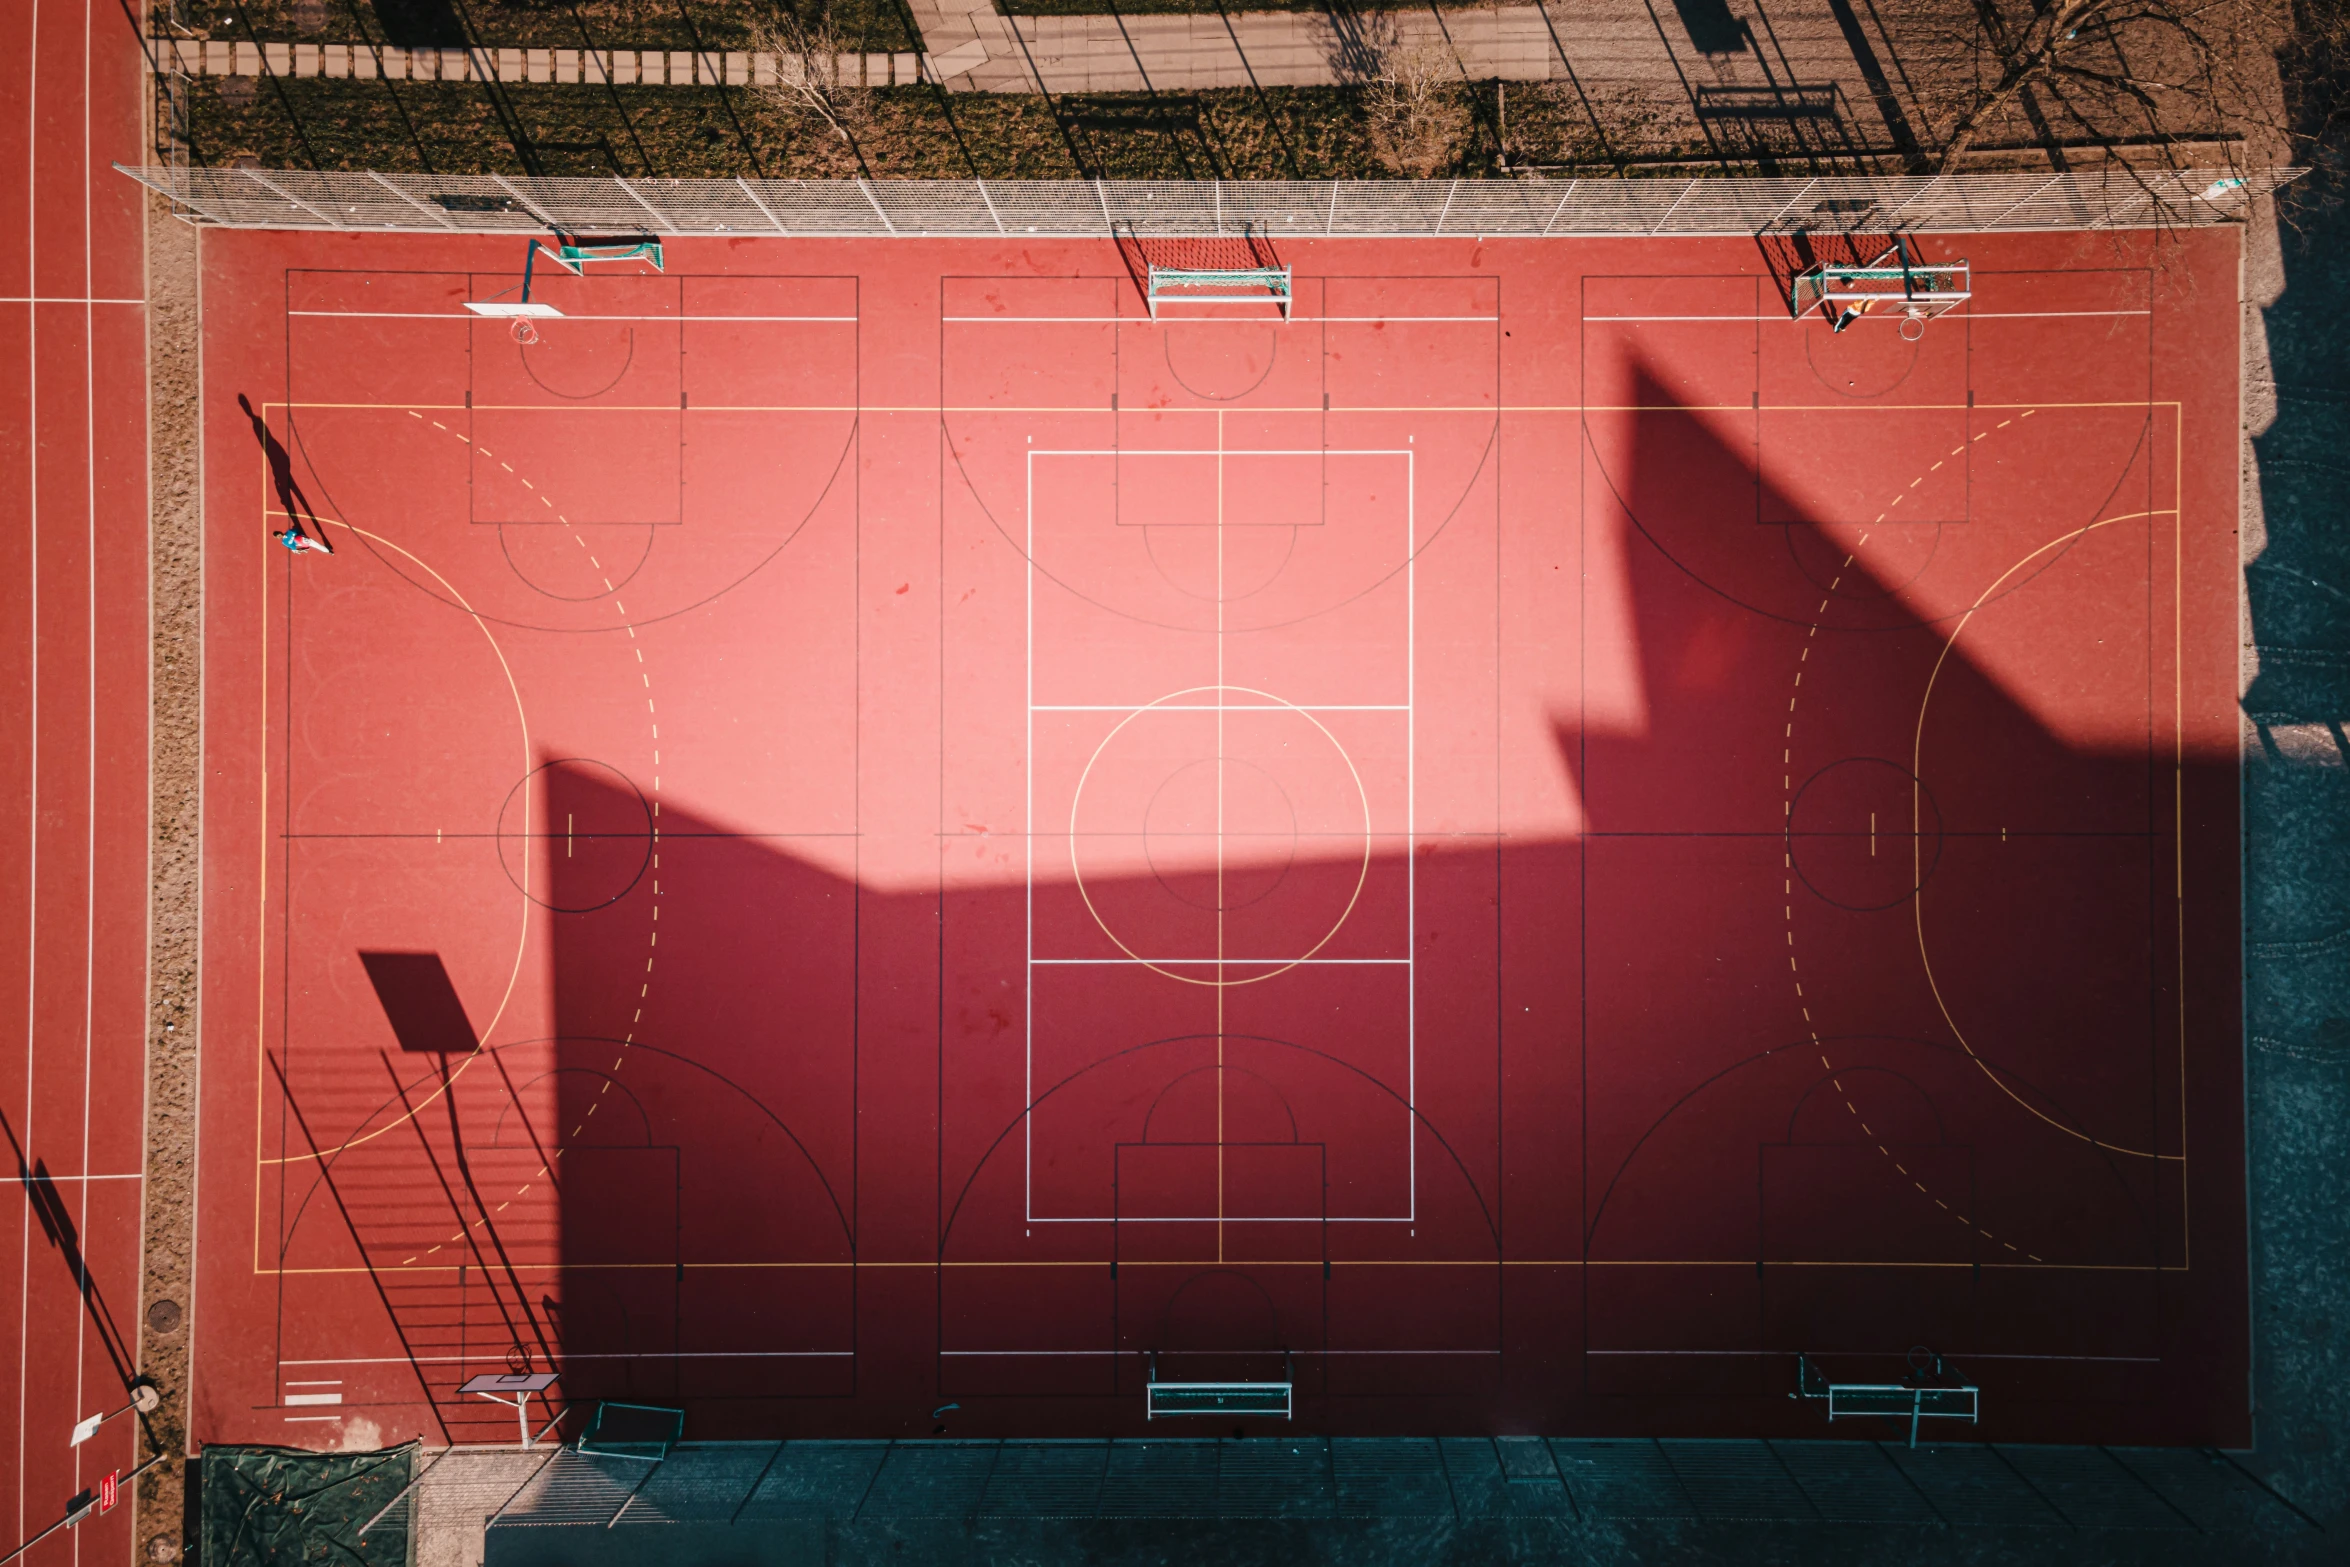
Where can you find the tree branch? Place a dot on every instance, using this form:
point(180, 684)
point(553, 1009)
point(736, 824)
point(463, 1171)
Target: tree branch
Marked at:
point(2028, 57)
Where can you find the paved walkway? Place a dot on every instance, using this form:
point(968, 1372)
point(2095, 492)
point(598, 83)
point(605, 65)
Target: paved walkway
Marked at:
point(1810, 72)
point(1815, 48)
point(1801, 59)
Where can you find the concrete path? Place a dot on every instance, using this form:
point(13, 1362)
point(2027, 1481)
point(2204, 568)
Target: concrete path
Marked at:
point(971, 46)
point(1756, 77)
point(1798, 59)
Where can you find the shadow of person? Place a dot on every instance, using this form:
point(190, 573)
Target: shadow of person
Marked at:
point(301, 517)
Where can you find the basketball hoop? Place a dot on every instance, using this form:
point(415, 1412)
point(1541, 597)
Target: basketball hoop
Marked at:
point(525, 331)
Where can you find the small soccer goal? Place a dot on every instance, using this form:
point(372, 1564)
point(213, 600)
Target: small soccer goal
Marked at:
point(1218, 286)
point(575, 255)
point(1934, 1391)
point(645, 1432)
point(1164, 1397)
point(1895, 284)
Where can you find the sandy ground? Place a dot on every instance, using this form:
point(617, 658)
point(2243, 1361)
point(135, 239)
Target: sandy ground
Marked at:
point(175, 526)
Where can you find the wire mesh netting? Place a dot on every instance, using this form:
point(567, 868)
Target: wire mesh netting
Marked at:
point(1175, 209)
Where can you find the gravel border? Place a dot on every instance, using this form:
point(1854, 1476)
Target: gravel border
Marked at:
point(175, 469)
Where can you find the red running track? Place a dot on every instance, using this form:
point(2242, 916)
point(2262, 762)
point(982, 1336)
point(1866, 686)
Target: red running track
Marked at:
point(74, 665)
point(861, 828)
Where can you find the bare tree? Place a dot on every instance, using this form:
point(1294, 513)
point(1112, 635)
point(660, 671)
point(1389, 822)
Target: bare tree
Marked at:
point(1417, 107)
point(817, 78)
point(2149, 84)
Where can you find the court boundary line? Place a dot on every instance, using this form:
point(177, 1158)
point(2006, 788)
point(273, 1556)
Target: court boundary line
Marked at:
point(425, 1395)
point(2151, 408)
point(1220, 453)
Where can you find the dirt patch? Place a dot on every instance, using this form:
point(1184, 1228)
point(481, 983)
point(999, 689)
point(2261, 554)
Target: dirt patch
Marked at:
point(703, 132)
point(175, 759)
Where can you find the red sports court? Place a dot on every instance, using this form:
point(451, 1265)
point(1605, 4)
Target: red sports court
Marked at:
point(869, 825)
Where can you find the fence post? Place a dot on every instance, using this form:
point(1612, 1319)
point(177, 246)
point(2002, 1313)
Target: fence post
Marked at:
point(441, 218)
point(266, 183)
point(1562, 206)
point(764, 210)
point(666, 226)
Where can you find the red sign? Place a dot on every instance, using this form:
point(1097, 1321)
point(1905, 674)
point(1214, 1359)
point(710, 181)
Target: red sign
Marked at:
point(110, 1491)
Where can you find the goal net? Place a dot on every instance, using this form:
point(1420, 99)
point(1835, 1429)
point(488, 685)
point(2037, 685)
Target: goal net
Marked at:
point(1894, 284)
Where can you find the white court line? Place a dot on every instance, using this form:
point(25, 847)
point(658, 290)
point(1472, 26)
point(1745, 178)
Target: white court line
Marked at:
point(438, 315)
point(1411, 829)
point(1410, 454)
point(63, 299)
point(1028, 853)
point(1778, 1354)
point(1977, 315)
point(1204, 320)
point(1213, 962)
point(1205, 707)
point(1230, 1218)
point(297, 1400)
point(61, 1180)
point(309, 1420)
point(1300, 1354)
point(691, 1354)
point(32, 972)
point(81, 1337)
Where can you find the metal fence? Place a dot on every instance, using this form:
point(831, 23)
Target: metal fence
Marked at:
point(1950, 203)
point(754, 1489)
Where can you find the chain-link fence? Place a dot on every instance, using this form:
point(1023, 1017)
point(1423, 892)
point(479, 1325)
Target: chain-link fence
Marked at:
point(1949, 204)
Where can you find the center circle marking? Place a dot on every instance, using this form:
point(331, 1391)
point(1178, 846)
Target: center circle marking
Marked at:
point(595, 835)
point(1864, 834)
point(1259, 795)
point(1160, 705)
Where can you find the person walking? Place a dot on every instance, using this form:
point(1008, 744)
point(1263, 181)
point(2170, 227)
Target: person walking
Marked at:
point(302, 543)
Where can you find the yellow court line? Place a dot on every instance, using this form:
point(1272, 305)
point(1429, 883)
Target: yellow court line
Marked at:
point(1964, 450)
point(1346, 408)
point(2178, 793)
point(1219, 983)
point(522, 944)
point(2178, 743)
point(542, 1268)
point(1918, 904)
point(261, 878)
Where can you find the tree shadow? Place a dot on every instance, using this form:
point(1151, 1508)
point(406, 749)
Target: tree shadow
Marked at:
point(2297, 846)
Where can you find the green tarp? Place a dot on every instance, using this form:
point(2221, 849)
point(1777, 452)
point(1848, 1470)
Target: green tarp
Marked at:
point(276, 1506)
